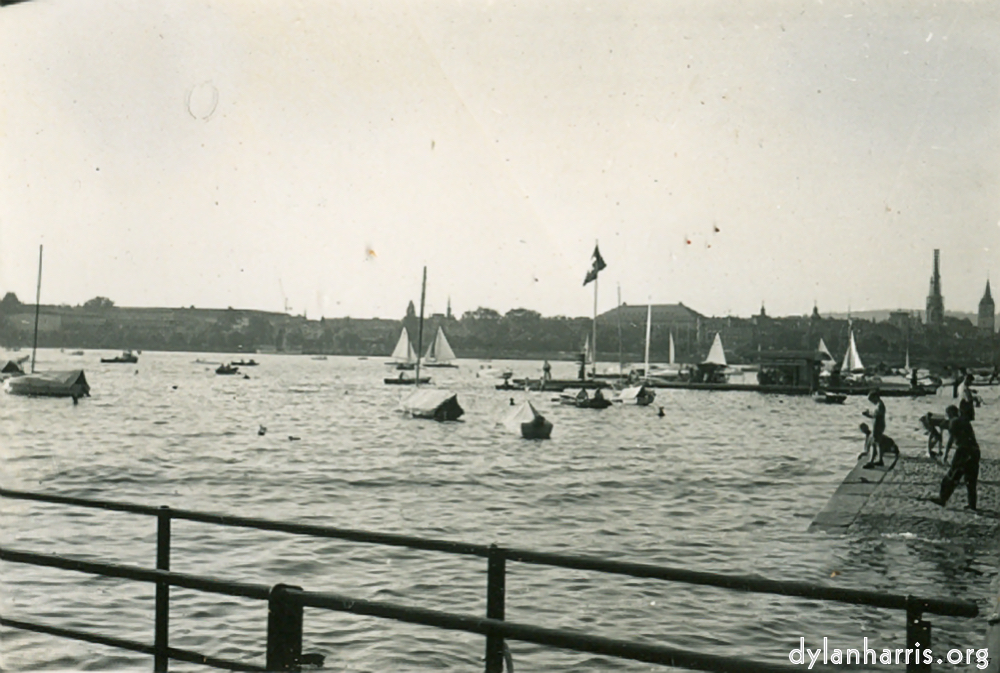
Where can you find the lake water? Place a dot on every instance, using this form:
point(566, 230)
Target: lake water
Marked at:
point(725, 482)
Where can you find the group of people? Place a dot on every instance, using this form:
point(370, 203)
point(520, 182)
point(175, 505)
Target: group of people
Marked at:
point(957, 421)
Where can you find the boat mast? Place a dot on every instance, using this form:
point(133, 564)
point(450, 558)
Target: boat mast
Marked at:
point(649, 316)
point(420, 327)
point(38, 299)
point(621, 364)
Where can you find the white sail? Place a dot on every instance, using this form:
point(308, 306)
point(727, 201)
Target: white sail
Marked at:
point(649, 316)
point(670, 360)
point(588, 351)
point(440, 350)
point(403, 352)
point(906, 366)
point(824, 350)
point(716, 356)
point(852, 361)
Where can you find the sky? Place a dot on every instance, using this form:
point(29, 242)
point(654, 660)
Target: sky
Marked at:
point(317, 155)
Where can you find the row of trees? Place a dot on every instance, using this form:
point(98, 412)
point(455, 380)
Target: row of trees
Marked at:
point(486, 333)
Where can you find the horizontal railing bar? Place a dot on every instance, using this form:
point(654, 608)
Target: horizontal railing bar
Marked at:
point(73, 634)
point(391, 539)
point(655, 654)
point(749, 583)
point(134, 646)
point(214, 662)
point(746, 583)
point(209, 585)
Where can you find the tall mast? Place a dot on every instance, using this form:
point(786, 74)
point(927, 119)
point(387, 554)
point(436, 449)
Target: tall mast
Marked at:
point(38, 299)
point(649, 316)
point(618, 311)
point(420, 326)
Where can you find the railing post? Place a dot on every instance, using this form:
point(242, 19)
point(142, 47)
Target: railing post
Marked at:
point(284, 629)
point(496, 581)
point(918, 633)
point(161, 640)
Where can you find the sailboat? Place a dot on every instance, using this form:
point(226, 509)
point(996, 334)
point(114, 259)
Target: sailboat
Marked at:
point(712, 368)
point(827, 361)
point(403, 356)
point(404, 347)
point(439, 353)
point(852, 360)
point(436, 404)
point(63, 383)
point(716, 354)
point(640, 394)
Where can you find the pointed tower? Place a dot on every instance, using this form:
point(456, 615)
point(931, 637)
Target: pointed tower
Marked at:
point(987, 311)
point(935, 302)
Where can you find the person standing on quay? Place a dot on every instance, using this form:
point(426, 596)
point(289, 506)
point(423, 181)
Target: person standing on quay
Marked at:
point(966, 461)
point(878, 428)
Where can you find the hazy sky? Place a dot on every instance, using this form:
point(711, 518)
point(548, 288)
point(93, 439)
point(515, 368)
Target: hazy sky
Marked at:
point(727, 153)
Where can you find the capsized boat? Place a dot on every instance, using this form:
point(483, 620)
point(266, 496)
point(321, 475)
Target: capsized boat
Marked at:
point(524, 420)
point(439, 405)
point(66, 383)
point(403, 356)
point(439, 353)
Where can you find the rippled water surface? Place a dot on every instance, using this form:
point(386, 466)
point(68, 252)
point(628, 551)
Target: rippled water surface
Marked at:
point(725, 482)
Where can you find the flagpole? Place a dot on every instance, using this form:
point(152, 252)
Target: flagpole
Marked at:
point(593, 367)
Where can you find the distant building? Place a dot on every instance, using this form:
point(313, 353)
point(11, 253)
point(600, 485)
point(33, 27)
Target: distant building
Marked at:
point(900, 319)
point(935, 302)
point(987, 311)
point(685, 324)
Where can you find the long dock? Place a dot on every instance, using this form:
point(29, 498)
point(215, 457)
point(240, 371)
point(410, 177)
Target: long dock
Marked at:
point(894, 500)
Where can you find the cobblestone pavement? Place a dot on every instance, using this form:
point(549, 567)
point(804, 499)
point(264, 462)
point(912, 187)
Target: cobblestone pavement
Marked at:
point(899, 505)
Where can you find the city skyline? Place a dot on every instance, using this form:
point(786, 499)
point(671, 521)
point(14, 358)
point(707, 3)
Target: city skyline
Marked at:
point(724, 156)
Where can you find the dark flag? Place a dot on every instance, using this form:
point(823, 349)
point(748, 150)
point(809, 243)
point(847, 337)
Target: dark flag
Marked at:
point(598, 264)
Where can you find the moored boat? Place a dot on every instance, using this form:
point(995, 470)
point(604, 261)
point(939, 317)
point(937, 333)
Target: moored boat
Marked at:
point(127, 357)
point(524, 420)
point(67, 383)
point(439, 405)
point(826, 397)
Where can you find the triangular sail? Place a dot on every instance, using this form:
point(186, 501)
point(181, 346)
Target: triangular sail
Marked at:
point(824, 350)
point(671, 359)
point(403, 352)
point(588, 351)
point(852, 360)
point(440, 350)
point(716, 356)
point(906, 366)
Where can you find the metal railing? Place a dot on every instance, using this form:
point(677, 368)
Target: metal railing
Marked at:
point(286, 603)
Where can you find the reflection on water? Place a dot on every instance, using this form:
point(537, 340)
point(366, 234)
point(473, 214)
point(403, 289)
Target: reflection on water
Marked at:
point(724, 482)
